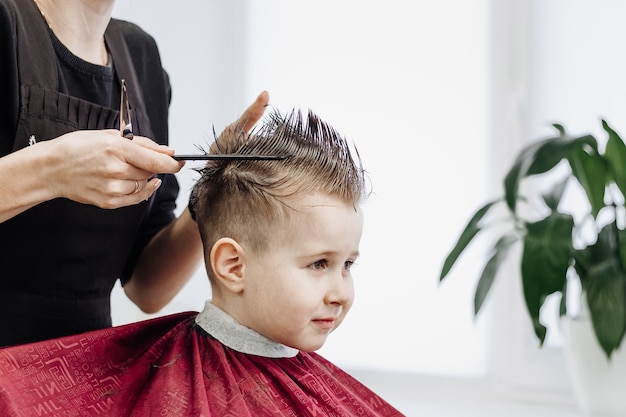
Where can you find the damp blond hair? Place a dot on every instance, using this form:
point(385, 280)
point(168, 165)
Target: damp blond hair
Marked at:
point(250, 200)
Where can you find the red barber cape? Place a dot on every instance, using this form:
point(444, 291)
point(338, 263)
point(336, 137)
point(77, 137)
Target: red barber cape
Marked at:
point(170, 367)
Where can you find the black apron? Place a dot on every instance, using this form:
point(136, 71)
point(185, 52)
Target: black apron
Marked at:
point(69, 254)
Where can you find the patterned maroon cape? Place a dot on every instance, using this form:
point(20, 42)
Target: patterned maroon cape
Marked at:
point(169, 366)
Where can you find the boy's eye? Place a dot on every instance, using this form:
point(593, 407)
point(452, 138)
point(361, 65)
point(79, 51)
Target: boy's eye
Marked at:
point(347, 265)
point(317, 265)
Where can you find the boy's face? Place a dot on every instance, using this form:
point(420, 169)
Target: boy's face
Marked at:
point(301, 288)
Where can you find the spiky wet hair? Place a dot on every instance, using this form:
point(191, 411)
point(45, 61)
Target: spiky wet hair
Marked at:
point(248, 199)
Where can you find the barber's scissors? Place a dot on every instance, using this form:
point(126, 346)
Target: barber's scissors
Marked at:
point(126, 130)
point(126, 125)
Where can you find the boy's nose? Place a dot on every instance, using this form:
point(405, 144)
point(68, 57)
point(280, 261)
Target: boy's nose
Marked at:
point(340, 290)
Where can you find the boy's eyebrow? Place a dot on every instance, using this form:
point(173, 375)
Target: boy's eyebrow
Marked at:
point(327, 253)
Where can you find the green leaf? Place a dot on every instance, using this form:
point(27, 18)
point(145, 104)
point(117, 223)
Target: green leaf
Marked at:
point(607, 306)
point(560, 128)
point(604, 283)
point(471, 230)
point(490, 270)
point(548, 250)
point(540, 157)
point(563, 302)
point(518, 171)
point(557, 149)
point(549, 155)
point(621, 241)
point(615, 155)
point(606, 245)
point(591, 171)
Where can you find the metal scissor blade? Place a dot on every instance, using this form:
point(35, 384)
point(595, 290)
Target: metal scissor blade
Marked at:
point(126, 126)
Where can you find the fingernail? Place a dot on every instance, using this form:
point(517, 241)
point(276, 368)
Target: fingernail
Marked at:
point(157, 184)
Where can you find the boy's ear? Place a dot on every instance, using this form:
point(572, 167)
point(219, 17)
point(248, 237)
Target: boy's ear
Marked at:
point(227, 263)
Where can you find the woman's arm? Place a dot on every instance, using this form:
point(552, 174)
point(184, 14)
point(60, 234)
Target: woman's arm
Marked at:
point(97, 167)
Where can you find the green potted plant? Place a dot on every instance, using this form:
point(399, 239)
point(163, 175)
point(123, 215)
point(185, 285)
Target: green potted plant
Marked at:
point(587, 243)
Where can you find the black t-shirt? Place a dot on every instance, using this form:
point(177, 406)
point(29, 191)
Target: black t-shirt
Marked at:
point(60, 259)
point(90, 82)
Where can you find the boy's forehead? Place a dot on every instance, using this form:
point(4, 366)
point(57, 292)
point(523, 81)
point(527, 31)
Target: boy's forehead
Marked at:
point(321, 210)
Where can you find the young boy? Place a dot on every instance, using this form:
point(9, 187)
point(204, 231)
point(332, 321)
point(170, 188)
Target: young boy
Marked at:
point(279, 243)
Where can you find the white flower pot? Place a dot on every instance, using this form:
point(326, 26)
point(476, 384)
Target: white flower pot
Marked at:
point(598, 383)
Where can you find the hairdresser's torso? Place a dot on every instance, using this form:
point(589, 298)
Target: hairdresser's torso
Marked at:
point(60, 259)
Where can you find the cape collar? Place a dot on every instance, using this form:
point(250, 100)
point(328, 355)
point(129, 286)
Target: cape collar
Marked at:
point(230, 333)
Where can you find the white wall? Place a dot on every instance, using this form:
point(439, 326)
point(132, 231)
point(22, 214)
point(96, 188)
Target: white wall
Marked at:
point(577, 72)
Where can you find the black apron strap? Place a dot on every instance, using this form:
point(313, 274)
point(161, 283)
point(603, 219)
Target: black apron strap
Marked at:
point(37, 69)
point(46, 113)
point(125, 71)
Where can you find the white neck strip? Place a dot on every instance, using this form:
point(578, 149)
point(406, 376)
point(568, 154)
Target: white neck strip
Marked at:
point(240, 338)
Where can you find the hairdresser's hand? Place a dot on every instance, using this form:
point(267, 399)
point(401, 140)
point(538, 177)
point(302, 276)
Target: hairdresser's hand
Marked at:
point(101, 168)
point(247, 120)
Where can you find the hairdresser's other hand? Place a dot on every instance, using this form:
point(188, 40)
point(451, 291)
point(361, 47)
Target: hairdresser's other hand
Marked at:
point(247, 120)
point(101, 168)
